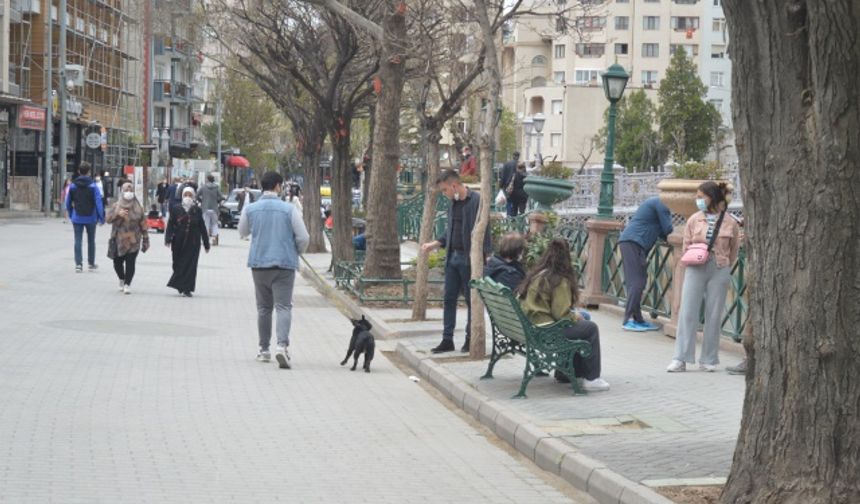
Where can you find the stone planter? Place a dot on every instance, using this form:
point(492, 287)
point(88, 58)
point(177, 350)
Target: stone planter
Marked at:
point(547, 191)
point(680, 195)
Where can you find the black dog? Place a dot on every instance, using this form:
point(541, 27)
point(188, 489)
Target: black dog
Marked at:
point(361, 342)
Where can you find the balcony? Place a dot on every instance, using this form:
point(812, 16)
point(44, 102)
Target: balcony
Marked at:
point(170, 90)
point(180, 137)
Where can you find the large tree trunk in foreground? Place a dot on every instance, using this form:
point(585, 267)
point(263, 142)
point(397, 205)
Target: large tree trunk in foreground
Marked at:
point(431, 194)
point(796, 106)
point(341, 192)
point(311, 145)
point(383, 244)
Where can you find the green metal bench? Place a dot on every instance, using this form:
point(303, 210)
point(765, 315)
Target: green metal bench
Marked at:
point(358, 255)
point(544, 347)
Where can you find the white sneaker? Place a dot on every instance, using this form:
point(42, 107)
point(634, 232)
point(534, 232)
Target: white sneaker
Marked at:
point(709, 368)
point(282, 355)
point(595, 385)
point(121, 285)
point(126, 289)
point(676, 366)
point(264, 355)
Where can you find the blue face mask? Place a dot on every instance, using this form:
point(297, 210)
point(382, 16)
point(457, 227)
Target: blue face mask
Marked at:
point(700, 203)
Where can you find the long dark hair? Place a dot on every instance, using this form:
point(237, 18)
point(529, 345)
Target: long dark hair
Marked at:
point(553, 267)
point(718, 192)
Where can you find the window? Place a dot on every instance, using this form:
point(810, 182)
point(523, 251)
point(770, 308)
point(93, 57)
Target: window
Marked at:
point(561, 2)
point(622, 22)
point(622, 1)
point(621, 49)
point(559, 51)
point(590, 50)
point(690, 49)
point(591, 23)
point(652, 1)
point(716, 3)
point(561, 24)
point(556, 107)
point(650, 50)
point(555, 139)
point(558, 77)
point(585, 77)
point(651, 23)
point(649, 77)
point(538, 82)
point(717, 79)
point(718, 51)
point(686, 2)
point(680, 23)
point(719, 24)
point(538, 60)
point(718, 104)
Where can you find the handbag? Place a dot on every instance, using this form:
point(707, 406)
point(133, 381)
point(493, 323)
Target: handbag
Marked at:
point(500, 198)
point(111, 253)
point(509, 189)
point(698, 253)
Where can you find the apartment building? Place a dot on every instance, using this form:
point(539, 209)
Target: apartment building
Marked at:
point(553, 60)
point(103, 53)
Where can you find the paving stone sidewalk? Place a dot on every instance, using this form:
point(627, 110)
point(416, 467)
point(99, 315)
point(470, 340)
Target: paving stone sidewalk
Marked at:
point(151, 397)
point(652, 427)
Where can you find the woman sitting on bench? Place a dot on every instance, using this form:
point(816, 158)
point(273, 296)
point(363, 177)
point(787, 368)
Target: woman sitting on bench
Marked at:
point(548, 294)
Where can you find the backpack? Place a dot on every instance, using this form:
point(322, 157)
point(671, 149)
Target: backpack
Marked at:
point(85, 201)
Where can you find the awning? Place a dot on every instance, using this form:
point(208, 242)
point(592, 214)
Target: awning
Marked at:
point(237, 162)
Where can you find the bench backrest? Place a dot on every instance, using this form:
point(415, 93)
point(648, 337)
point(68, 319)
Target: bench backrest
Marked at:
point(504, 308)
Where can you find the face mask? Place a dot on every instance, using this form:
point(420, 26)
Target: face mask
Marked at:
point(187, 202)
point(700, 203)
point(456, 195)
point(128, 195)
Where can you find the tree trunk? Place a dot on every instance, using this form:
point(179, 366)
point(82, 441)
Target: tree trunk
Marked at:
point(311, 146)
point(365, 188)
point(486, 144)
point(383, 244)
point(431, 194)
point(796, 109)
point(341, 191)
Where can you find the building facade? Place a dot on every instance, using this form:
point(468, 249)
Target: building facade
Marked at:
point(552, 64)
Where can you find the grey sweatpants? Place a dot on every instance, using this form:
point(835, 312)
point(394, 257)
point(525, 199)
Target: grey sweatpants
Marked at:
point(274, 289)
point(711, 283)
point(210, 217)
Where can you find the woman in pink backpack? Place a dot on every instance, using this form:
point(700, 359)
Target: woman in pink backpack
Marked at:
point(711, 243)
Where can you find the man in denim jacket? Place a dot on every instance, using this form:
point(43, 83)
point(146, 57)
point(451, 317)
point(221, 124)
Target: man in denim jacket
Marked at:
point(278, 236)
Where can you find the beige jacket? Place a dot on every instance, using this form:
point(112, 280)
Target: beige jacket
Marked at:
point(725, 246)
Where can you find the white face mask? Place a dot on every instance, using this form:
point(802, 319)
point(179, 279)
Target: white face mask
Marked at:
point(187, 202)
point(128, 195)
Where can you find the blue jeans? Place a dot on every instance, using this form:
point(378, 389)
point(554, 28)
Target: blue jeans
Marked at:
point(458, 272)
point(91, 243)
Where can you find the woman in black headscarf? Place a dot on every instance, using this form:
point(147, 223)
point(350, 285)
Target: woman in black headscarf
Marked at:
point(186, 230)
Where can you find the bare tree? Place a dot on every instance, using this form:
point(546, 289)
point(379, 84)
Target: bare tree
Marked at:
point(796, 110)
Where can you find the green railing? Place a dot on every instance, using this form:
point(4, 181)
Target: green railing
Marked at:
point(410, 212)
point(656, 298)
point(349, 276)
point(577, 236)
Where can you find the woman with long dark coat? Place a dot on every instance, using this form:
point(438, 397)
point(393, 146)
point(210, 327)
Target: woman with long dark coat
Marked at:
point(186, 230)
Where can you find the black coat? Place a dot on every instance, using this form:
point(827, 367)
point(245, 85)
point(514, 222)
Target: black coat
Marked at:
point(509, 274)
point(185, 232)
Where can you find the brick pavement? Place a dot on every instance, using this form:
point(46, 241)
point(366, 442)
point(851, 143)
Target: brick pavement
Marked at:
point(156, 398)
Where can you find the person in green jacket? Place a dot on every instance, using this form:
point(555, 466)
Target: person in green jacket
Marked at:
point(549, 293)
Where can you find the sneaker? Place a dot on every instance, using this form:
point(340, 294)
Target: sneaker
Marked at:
point(264, 356)
point(126, 289)
point(79, 269)
point(121, 285)
point(676, 366)
point(93, 267)
point(595, 385)
point(282, 355)
point(740, 369)
point(709, 368)
point(185, 294)
point(446, 346)
point(647, 326)
point(632, 325)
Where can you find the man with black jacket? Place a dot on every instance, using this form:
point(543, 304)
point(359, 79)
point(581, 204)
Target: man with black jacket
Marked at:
point(506, 175)
point(457, 242)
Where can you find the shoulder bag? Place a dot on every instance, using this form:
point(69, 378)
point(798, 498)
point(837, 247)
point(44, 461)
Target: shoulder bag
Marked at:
point(698, 253)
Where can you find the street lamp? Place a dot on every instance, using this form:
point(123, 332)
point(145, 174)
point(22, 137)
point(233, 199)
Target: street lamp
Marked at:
point(539, 121)
point(614, 82)
point(528, 127)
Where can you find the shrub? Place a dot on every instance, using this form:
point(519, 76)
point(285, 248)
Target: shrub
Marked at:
point(699, 171)
point(556, 170)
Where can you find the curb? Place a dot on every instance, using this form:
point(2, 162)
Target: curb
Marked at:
point(547, 452)
point(381, 330)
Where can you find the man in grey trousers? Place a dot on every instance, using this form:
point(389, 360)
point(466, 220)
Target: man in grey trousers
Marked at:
point(278, 236)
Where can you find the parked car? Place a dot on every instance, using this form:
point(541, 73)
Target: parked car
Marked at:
point(229, 211)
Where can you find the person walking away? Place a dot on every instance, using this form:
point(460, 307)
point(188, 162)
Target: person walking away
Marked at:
point(85, 205)
point(279, 238)
point(506, 176)
point(210, 198)
point(708, 281)
point(128, 234)
point(185, 232)
point(505, 267)
point(161, 196)
point(457, 242)
point(100, 185)
point(548, 294)
point(172, 194)
point(518, 198)
point(63, 195)
point(652, 220)
point(469, 167)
